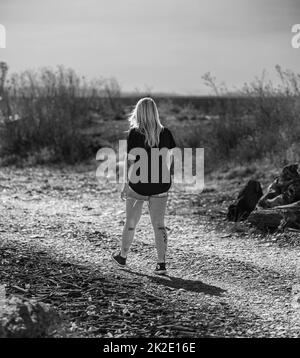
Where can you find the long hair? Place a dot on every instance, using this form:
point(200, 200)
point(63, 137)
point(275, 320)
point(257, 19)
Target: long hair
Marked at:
point(145, 118)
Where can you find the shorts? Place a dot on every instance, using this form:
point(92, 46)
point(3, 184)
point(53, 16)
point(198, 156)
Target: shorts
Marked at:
point(134, 195)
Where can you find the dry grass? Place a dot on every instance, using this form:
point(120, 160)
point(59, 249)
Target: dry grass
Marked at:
point(45, 112)
point(56, 115)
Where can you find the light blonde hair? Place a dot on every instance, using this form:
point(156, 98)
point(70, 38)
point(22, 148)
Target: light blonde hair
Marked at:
point(145, 118)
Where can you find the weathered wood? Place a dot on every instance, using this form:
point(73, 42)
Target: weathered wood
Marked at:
point(277, 217)
point(291, 215)
point(266, 218)
point(294, 207)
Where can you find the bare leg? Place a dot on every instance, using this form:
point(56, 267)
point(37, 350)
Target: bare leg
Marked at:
point(157, 209)
point(133, 214)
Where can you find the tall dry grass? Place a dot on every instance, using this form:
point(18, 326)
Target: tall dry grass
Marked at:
point(267, 125)
point(46, 111)
point(55, 114)
point(262, 123)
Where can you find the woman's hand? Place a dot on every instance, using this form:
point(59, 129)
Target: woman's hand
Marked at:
point(124, 191)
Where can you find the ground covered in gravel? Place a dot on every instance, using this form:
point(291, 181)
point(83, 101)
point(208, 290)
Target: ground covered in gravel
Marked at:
point(59, 226)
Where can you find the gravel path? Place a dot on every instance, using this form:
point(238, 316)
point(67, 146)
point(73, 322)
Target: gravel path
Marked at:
point(222, 283)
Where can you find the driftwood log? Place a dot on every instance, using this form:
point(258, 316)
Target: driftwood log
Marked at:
point(266, 218)
point(23, 318)
point(277, 217)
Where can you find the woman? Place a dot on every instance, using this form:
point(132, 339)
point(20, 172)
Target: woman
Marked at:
point(147, 178)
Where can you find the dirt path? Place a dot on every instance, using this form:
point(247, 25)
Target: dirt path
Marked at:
point(59, 227)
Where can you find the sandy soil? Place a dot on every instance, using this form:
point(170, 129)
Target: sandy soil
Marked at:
point(58, 228)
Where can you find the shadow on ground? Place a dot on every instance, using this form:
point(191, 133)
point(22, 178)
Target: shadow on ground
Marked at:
point(101, 303)
point(189, 285)
point(180, 283)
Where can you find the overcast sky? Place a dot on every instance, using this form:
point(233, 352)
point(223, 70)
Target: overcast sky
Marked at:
point(165, 45)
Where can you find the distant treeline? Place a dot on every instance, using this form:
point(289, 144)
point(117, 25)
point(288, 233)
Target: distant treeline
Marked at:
point(213, 104)
point(50, 112)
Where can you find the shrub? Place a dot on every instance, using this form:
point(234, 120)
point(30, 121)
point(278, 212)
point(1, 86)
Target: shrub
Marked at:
point(265, 123)
point(50, 109)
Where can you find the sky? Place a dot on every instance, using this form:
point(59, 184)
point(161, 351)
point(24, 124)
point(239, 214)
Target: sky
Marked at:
point(153, 45)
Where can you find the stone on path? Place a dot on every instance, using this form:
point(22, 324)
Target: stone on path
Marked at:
point(24, 318)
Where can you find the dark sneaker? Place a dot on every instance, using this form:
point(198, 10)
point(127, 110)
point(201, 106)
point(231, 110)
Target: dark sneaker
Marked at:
point(160, 269)
point(119, 260)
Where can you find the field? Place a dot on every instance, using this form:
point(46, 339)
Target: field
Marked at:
point(59, 225)
point(57, 116)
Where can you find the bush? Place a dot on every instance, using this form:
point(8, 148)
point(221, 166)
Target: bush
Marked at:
point(261, 121)
point(265, 123)
point(50, 109)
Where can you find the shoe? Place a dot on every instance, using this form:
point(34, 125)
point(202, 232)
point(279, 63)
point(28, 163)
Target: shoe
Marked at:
point(160, 269)
point(119, 260)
